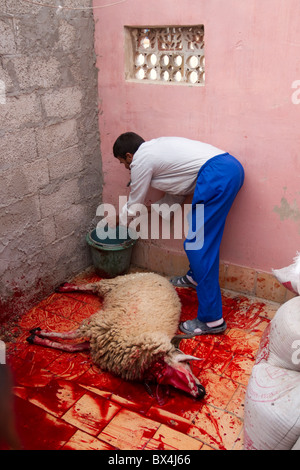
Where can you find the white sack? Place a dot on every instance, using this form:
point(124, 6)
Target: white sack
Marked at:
point(284, 337)
point(289, 277)
point(297, 445)
point(272, 409)
point(272, 403)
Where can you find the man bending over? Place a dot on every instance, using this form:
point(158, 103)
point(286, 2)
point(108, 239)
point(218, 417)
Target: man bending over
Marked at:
point(179, 167)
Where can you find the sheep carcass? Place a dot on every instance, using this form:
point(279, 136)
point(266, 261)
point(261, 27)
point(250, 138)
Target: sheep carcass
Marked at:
point(133, 334)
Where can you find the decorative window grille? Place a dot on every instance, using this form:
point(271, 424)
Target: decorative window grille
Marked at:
point(173, 54)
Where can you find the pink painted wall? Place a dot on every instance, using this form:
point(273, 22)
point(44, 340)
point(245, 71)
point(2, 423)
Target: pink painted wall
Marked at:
point(252, 59)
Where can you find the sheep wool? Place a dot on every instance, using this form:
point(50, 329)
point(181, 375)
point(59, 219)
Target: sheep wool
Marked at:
point(140, 315)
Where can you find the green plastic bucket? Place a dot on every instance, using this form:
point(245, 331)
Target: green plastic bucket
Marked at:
point(112, 256)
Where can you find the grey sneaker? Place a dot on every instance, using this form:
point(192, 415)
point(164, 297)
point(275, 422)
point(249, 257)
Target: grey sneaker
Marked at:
point(182, 281)
point(197, 328)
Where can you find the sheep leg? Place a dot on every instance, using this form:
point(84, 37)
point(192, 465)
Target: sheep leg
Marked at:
point(73, 334)
point(34, 339)
point(66, 287)
point(44, 338)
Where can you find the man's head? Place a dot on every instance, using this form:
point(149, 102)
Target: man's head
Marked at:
point(125, 147)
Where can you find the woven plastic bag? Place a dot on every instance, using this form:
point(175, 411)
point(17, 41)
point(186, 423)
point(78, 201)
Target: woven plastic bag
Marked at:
point(272, 402)
point(289, 277)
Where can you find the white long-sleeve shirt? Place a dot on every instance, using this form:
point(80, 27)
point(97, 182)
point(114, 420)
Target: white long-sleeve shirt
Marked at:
point(170, 164)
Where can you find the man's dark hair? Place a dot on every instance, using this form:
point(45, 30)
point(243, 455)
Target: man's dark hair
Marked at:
point(128, 142)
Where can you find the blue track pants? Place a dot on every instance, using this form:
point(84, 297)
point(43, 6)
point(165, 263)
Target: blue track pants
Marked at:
point(219, 180)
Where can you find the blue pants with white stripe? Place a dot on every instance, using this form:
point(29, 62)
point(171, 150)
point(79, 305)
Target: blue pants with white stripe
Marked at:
point(219, 180)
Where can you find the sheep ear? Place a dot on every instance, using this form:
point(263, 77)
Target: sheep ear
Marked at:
point(185, 358)
point(177, 338)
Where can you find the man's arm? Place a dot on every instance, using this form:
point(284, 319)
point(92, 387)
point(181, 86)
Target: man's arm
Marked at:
point(141, 177)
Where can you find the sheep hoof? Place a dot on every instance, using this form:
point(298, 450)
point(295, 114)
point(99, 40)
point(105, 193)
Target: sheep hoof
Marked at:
point(35, 330)
point(59, 288)
point(31, 339)
point(66, 287)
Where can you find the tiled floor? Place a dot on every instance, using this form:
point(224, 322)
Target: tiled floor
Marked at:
point(63, 401)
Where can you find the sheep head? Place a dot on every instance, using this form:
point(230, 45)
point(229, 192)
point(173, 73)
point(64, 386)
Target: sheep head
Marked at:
point(174, 369)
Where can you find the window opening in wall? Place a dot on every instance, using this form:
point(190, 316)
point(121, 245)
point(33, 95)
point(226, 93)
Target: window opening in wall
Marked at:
point(173, 54)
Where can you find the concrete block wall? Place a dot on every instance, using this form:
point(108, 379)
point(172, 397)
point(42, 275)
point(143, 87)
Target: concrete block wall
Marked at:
point(50, 162)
